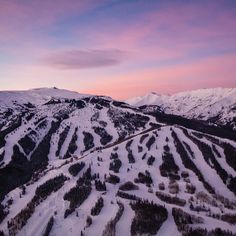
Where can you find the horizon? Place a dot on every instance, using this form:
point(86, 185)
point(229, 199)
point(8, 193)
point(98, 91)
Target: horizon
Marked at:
point(125, 99)
point(120, 49)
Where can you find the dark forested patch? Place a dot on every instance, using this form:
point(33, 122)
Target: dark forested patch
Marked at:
point(72, 145)
point(115, 165)
point(144, 178)
point(201, 126)
point(79, 104)
point(100, 101)
point(150, 160)
point(127, 196)
point(230, 154)
point(150, 142)
point(62, 138)
point(183, 220)
point(76, 168)
point(131, 157)
point(169, 199)
point(27, 144)
point(129, 150)
point(140, 148)
point(100, 186)
point(148, 218)
point(105, 138)
point(78, 194)
point(128, 145)
point(3, 213)
point(127, 123)
point(16, 173)
point(98, 207)
point(113, 179)
point(168, 168)
point(190, 188)
point(143, 137)
point(128, 186)
point(88, 140)
point(51, 185)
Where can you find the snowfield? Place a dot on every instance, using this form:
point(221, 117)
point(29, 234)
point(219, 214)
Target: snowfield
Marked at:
point(74, 164)
point(217, 105)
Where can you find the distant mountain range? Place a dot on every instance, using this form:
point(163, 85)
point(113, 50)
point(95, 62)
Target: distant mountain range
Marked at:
point(217, 105)
point(80, 164)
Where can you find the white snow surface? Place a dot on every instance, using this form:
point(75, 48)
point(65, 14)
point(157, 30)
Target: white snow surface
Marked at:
point(200, 104)
point(37, 96)
point(73, 224)
point(84, 120)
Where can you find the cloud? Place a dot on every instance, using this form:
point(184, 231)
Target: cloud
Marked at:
point(82, 59)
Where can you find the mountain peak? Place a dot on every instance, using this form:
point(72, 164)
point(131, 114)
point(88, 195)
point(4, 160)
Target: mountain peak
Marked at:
point(37, 95)
point(203, 104)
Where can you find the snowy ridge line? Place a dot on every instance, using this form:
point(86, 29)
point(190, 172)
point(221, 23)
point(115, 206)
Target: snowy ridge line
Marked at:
point(217, 106)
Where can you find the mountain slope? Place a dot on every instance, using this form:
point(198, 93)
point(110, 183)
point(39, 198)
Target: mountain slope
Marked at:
point(165, 165)
point(37, 96)
point(33, 134)
point(215, 105)
point(84, 165)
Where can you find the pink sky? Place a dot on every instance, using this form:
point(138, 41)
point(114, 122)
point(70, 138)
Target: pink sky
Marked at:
point(117, 48)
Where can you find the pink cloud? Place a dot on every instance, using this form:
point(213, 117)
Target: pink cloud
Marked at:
point(82, 59)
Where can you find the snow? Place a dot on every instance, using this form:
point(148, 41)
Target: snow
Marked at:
point(81, 119)
point(200, 104)
point(37, 96)
point(73, 224)
point(169, 227)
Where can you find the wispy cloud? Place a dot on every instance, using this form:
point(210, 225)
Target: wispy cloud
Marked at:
point(81, 59)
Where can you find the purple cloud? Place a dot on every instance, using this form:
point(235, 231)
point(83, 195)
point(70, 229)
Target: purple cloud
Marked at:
point(81, 59)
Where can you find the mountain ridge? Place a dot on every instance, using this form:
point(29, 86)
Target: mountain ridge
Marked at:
point(217, 105)
point(87, 164)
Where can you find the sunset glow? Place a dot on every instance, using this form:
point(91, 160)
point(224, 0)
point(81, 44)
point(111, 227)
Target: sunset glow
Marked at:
point(117, 48)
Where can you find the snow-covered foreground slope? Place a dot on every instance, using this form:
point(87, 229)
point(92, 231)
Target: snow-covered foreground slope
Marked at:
point(166, 166)
point(89, 165)
point(216, 105)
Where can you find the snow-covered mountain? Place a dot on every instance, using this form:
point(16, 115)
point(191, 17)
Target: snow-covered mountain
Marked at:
point(216, 105)
point(37, 96)
point(73, 164)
